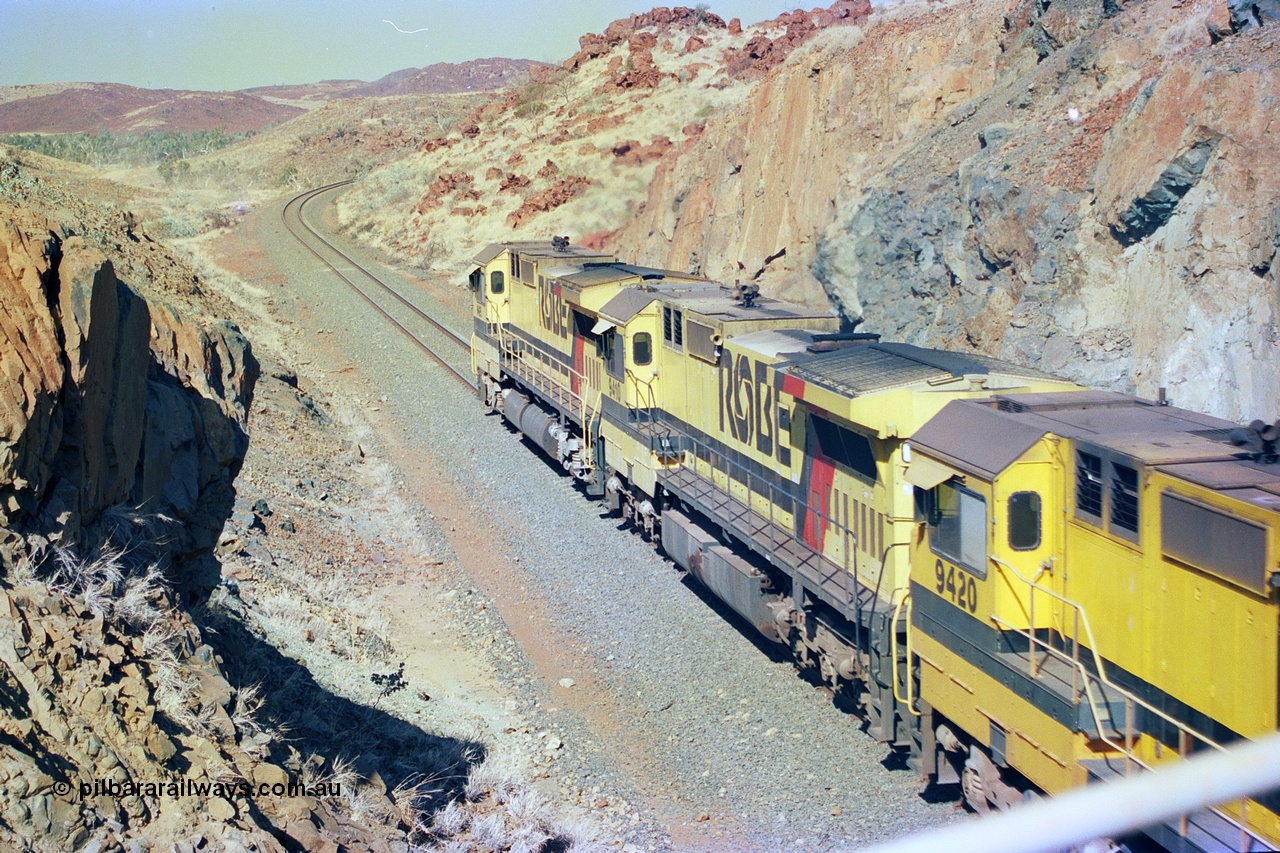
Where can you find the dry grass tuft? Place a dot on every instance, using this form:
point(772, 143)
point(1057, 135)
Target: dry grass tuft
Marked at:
point(500, 810)
point(121, 579)
point(451, 821)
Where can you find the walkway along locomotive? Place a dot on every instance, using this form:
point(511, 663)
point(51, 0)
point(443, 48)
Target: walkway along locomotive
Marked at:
point(906, 520)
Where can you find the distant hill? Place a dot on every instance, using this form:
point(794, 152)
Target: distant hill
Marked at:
point(91, 107)
point(442, 78)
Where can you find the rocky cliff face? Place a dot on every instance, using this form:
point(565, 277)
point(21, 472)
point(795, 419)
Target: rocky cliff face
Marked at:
point(1106, 210)
point(1085, 186)
point(752, 194)
point(122, 424)
point(574, 150)
point(108, 398)
point(123, 412)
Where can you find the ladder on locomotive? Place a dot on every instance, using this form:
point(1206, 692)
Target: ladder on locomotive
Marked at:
point(661, 438)
point(1071, 667)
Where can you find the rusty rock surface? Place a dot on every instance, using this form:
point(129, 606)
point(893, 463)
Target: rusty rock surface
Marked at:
point(1084, 186)
point(1107, 211)
point(109, 398)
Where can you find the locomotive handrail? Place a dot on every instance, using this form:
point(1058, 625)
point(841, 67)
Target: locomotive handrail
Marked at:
point(1100, 676)
point(1082, 617)
point(589, 430)
point(710, 451)
point(542, 364)
point(651, 400)
point(910, 701)
point(717, 461)
point(1093, 649)
point(541, 370)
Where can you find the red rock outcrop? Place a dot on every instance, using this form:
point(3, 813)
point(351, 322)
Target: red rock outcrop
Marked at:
point(513, 183)
point(632, 153)
point(593, 45)
point(639, 71)
point(604, 122)
point(764, 176)
point(445, 184)
point(563, 191)
point(762, 53)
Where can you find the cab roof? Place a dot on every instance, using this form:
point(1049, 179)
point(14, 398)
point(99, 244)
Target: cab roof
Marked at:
point(681, 292)
point(540, 249)
point(582, 276)
point(985, 436)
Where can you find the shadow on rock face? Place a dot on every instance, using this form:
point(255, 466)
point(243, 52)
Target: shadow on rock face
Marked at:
point(117, 401)
point(378, 745)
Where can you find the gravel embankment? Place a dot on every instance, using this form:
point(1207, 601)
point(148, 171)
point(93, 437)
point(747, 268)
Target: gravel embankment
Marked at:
point(678, 728)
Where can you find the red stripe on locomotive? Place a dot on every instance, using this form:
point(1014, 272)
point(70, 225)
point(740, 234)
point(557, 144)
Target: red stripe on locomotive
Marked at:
point(822, 474)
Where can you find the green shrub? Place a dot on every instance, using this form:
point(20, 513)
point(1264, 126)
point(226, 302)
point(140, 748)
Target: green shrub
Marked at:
point(106, 147)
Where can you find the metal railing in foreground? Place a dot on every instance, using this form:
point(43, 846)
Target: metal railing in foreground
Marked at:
point(1111, 809)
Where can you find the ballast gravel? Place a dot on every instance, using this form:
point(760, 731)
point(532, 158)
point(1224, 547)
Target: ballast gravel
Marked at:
point(733, 749)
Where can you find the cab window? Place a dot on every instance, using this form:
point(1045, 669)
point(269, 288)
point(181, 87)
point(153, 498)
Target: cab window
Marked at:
point(612, 351)
point(1024, 521)
point(957, 522)
point(497, 282)
point(642, 348)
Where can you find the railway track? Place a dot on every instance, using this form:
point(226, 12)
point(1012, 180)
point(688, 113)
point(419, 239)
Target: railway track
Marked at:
point(419, 326)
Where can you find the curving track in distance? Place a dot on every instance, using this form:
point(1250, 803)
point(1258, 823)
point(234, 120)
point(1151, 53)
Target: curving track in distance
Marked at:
point(291, 215)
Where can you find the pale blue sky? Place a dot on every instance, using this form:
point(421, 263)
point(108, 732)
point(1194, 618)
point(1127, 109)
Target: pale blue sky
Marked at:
point(237, 44)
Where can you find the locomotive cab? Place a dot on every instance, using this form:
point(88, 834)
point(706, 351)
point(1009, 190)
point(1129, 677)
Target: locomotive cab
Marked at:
point(1093, 593)
point(985, 618)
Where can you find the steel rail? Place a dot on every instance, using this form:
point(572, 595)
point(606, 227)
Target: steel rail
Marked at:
point(461, 341)
point(298, 202)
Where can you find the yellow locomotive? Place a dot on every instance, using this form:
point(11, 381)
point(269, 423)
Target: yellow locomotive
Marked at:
point(1093, 593)
point(892, 515)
